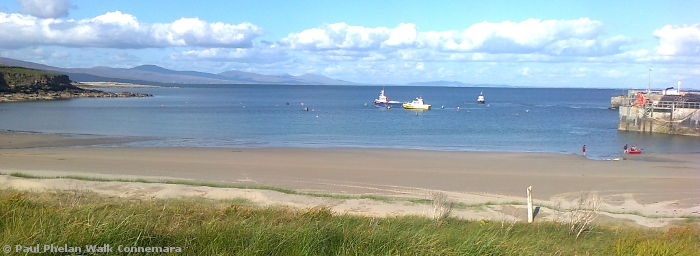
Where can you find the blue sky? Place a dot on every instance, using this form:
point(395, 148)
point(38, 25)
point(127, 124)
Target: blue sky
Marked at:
point(592, 44)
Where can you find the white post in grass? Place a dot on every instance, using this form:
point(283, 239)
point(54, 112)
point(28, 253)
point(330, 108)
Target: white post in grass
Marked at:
point(530, 218)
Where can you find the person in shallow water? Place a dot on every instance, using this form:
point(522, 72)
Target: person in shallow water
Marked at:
point(584, 149)
point(624, 148)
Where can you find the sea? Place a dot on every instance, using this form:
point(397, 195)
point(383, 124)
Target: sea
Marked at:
point(545, 120)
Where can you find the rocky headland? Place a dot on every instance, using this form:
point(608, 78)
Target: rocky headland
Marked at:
point(24, 84)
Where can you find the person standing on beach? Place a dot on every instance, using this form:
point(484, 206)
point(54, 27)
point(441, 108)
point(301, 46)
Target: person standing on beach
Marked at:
point(584, 149)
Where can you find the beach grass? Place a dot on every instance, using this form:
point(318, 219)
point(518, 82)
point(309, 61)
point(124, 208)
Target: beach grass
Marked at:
point(238, 227)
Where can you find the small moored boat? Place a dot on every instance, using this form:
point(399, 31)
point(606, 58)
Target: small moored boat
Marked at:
point(481, 99)
point(418, 103)
point(383, 101)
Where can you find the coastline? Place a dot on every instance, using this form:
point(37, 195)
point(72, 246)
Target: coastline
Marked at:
point(67, 94)
point(87, 85)
point(654, 192)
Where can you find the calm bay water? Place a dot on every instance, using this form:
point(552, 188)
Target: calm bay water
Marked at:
point(515, 119)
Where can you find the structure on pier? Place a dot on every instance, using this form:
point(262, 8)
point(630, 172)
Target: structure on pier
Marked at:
point(670, 111)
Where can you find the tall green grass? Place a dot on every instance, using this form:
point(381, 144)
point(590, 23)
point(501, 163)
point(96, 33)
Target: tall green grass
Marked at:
point(238, 227)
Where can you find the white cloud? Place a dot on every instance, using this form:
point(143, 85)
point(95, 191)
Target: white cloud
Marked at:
point(529, 40)
point(498, 52)
point(678, 40)
point(336, 36)
point(555, 37)
point(196, 32)
point(486, 40)
point(123, 31)
point(403, 35)
point(257, 54)
point(46, 9)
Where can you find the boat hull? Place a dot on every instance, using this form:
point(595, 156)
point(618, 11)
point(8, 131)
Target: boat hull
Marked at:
point(417, 104)
point(634, 152)
point(387, 104)
point(424, 107)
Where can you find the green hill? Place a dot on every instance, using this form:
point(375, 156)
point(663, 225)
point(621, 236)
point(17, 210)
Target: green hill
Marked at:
point(23, 84)
point(25, 80)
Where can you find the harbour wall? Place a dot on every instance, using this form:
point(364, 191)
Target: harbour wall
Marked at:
point(617, 101)
point(669, 120)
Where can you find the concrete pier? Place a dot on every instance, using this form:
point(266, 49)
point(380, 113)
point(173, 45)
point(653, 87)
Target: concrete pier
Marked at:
point(617, 101)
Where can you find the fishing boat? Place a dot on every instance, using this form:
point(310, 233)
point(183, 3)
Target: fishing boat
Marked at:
point(481, 99)
point(383, 101)
point(418, 103)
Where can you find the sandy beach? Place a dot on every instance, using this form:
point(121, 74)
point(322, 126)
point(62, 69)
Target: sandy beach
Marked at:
point(648, 190)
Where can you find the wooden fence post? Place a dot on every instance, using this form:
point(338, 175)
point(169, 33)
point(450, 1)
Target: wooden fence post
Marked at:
point(530, 211)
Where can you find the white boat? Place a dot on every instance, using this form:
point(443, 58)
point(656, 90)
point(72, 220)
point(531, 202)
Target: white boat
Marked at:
point(383, 101)
point(417, 104)
point(481, 99)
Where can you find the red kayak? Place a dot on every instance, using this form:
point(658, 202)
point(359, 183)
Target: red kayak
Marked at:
point(636, 152)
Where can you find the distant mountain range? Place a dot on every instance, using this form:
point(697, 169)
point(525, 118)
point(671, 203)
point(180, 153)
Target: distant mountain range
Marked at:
point(152, 74)
point(155, 75)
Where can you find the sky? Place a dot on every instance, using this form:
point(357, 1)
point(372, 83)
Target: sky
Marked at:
point(589, 44)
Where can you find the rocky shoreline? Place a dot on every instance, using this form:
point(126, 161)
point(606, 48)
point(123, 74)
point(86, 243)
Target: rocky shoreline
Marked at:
point(24, 84)
point(67, 94)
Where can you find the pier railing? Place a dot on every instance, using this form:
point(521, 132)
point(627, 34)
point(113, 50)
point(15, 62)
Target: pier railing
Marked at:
point(675, 104)
point(665, 104)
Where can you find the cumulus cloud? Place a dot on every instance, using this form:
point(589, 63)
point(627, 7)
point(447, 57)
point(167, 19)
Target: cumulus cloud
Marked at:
point(580, 37)
point(336, 36)
point(46, 9)
point(258, 54)
point(403, 35)
point(678, 40)
point(123, 31)
point(528, 40)
point(556, 37)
